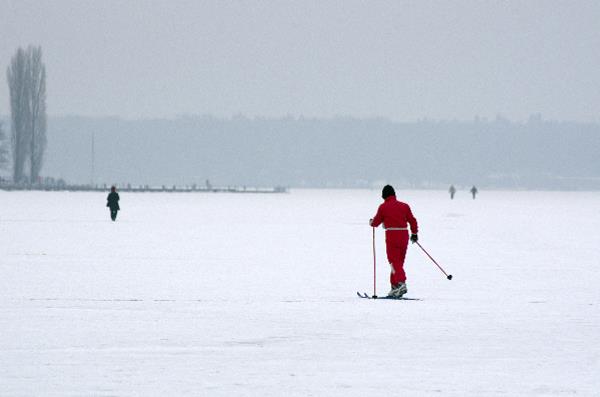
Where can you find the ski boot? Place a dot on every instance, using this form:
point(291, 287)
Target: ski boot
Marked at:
point(398, 290)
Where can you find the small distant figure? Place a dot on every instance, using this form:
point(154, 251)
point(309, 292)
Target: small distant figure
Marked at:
point(113, 203)
point(474, 192)
point(452, 191)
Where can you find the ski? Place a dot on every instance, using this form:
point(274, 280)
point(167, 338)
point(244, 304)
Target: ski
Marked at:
point(364, 295)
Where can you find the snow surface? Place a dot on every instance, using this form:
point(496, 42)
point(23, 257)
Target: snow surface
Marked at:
point(239, 294)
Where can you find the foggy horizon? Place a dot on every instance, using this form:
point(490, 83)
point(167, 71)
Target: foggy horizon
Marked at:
point(297, 94)
point(340, 152)
point(175, 117)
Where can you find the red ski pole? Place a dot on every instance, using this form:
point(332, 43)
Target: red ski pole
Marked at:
point(374, 268)
point(448, 276)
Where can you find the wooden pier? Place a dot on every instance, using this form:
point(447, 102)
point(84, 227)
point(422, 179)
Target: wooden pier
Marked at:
point(143, 188)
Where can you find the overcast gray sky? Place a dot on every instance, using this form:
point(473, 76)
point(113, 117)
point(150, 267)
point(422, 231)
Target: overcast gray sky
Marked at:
point(403, 60)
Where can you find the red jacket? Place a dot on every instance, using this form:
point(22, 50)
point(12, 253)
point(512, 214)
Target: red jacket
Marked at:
point(393, 213)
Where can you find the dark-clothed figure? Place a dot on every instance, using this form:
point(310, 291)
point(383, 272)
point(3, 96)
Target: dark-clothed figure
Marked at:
point(113, 203)
point(452, 191)
point(474, 192)
point(396, 216)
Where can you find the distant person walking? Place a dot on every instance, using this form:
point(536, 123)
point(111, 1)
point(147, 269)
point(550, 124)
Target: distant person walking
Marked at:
point(474, 192)
point(113, 203)
point(395, 216)
point(452, 191)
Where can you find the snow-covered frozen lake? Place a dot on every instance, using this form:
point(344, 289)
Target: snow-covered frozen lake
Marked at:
point(254, 295)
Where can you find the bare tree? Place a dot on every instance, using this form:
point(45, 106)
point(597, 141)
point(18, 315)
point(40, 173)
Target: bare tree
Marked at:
point(37, 119)
point(3, 148)
point(16, 75)
point(27, 85)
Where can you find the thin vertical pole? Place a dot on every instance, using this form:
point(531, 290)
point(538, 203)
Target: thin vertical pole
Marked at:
point(374, 268)
point(93, 156)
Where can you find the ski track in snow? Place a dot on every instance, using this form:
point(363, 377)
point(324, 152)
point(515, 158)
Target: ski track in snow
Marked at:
point(255, 295)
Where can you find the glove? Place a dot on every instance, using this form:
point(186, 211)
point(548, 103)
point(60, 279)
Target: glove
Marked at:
point(414, 238)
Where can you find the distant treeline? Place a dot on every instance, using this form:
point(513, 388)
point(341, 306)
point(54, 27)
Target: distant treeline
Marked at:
point(340, 152)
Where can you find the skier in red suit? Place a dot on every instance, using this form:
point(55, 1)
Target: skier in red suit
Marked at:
point(396, 216)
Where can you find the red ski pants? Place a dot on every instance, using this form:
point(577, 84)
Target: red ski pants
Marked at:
point(396, 243)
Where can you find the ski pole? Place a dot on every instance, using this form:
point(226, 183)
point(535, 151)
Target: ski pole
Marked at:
point(448, 276)
point(374, 268)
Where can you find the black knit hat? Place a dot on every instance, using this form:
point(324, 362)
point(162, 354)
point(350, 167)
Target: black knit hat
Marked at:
point(387, 191)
